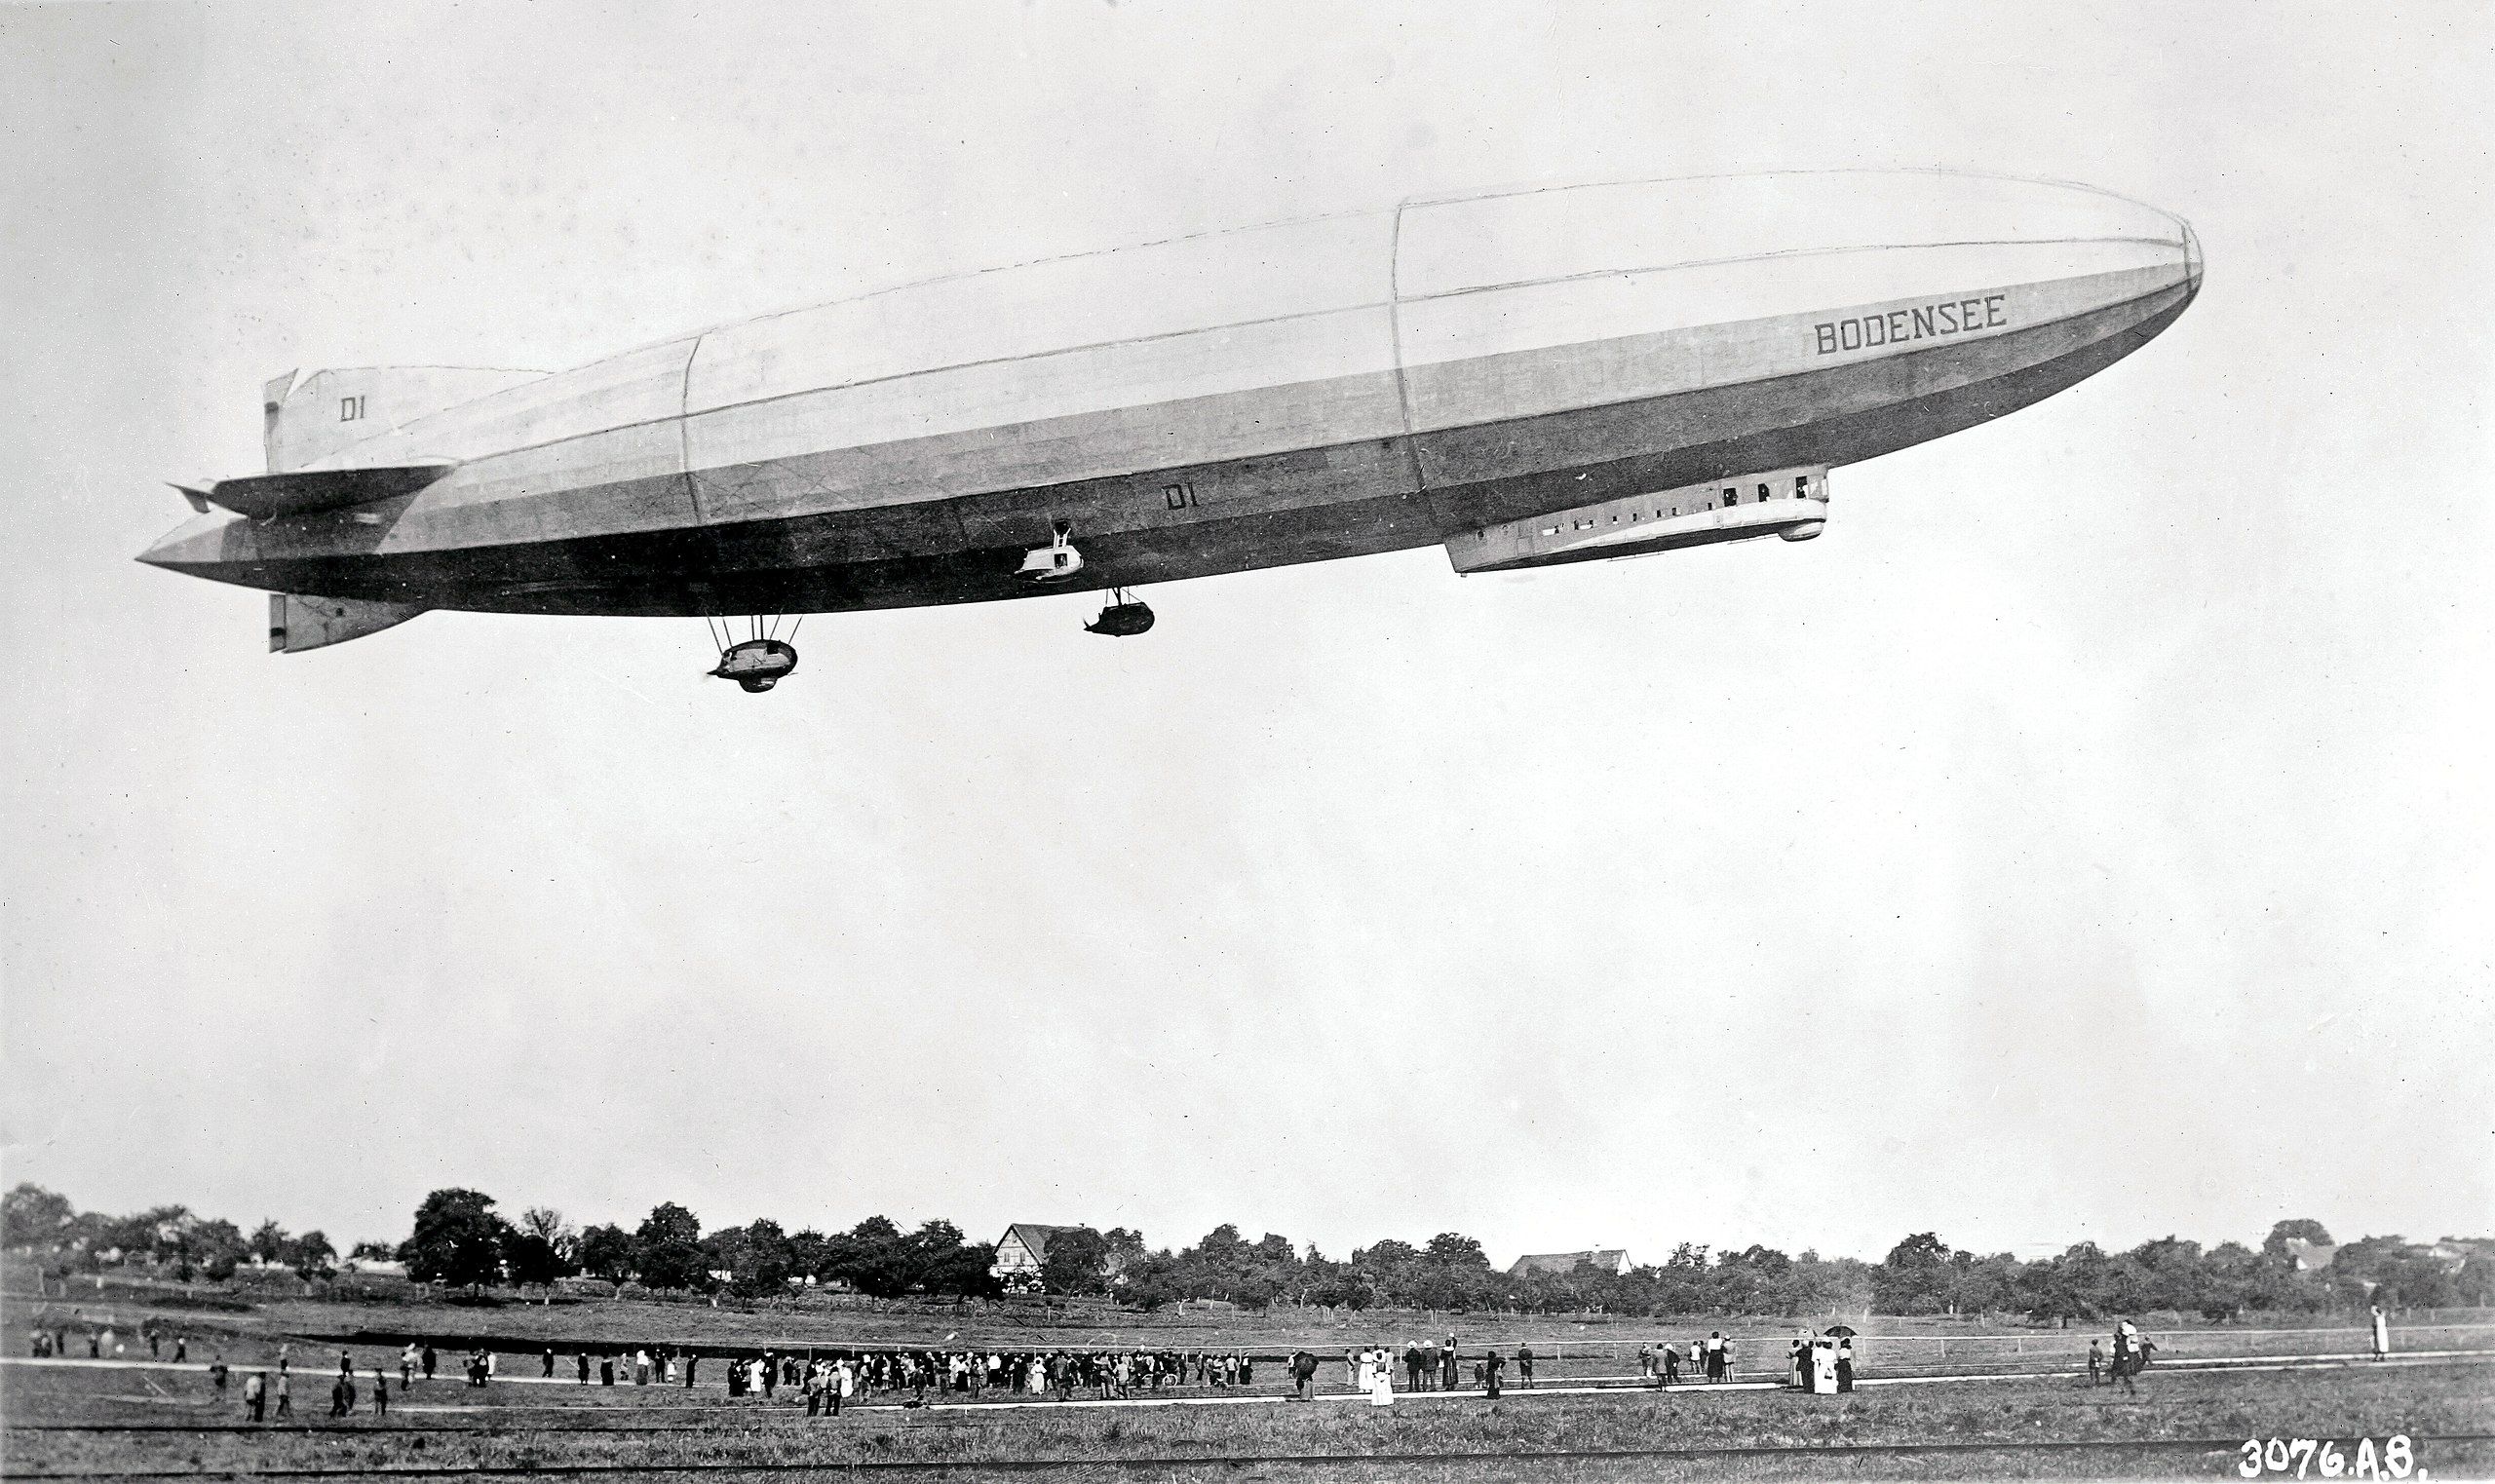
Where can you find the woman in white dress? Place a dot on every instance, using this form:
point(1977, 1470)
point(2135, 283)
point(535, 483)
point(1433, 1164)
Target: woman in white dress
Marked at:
point(1381, 1386)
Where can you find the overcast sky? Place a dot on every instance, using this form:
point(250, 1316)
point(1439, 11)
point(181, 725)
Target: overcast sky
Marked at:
point(2088, 837)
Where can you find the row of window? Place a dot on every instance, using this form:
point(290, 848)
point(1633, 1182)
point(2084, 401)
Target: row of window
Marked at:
point(1732, 496)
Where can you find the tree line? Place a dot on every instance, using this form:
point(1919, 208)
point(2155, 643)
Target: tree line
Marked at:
point(459, 1237)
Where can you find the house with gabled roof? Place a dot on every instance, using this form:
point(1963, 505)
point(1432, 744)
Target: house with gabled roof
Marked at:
point(1019, 1253)
point(1611, 1260)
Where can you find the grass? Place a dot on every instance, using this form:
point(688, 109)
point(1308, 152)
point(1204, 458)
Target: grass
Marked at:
point(1569, 1347)
point(511, 1426)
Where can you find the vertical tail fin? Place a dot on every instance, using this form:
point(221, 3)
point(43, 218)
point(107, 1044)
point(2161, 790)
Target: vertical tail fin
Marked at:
point(297, 622)
point(306, 416)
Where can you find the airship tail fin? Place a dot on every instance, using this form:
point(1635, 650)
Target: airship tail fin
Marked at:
point(308, 491)
point(297, 622)
point(306, 416)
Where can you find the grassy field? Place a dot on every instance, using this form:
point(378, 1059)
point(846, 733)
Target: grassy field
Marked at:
point(2183, 1425)
point(249, 1329)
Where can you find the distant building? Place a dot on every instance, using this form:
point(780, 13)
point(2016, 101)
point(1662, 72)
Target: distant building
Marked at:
point(2456, 1252)
point(2309, 1256)
point(1019, 1253)
point(1611, 1260)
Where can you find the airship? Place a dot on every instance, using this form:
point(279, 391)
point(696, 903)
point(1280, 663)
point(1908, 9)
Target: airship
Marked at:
point(1524, 377)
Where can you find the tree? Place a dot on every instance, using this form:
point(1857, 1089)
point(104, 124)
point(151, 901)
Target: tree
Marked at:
point(532, 1259)
point(873, 1257)
point(311, 1256)
point(1914, 1277)
point(611, 1252)
point(1077, 1262)
point(1151, 1282)
point(2177, 1278)
point(267, 1243)
point(756, 1257)
point(1126, 1248)
point(31, 1216)
point(945, 1264)
point(542, 1249)
point(2301, 1228)
point(547, 1223)
point(372, 1252)
point(809, 1254)
point(669, 1244)
point(457, 1239)
point(213, 1248)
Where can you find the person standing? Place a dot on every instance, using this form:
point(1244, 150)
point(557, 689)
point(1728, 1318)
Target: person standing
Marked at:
point(606, 1370)
point(380, 1393)
point(692, 1359)
point(1450, 1366)
point(256, 1395)
point(1303, 1370)
point(580, 1368)
point(547, 1363)
point(1645, 1362)
point(284, 1390)
point(1492, 1365)
point(181, 1348)
point(406, 1367)
point(2126, 1371)
point(216, 1373)
point(2095, 1362)
point(429, 1358)
point(1671, 1363)
point(1845, 1362)
point(2381, 1333)
point(1525, 1367)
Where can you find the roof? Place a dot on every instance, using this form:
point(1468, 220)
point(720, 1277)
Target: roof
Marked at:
point(1033, 1236)
point(2310, 1256)
point(1609, 1259)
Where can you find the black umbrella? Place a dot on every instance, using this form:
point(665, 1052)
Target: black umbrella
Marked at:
point(1840, 1331)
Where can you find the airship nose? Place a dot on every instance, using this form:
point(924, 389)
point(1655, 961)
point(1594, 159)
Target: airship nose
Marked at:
point(1742, 278)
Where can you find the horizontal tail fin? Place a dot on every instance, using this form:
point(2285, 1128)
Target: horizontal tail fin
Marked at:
point(300, 493)
point(297, 622)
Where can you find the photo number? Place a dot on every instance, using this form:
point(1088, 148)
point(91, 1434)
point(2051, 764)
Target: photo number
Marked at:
point(2324, 1458)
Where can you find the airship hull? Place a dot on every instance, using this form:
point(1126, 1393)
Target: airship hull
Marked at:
point(1301, 393)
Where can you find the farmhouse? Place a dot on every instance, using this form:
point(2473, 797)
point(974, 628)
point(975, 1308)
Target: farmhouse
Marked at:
point(1612, 1260)
point(1019, 1253)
